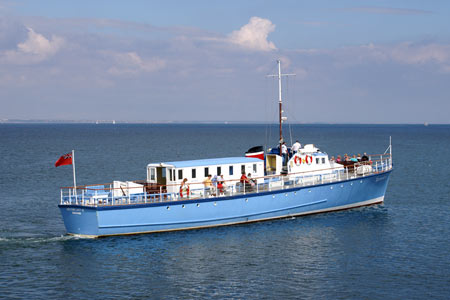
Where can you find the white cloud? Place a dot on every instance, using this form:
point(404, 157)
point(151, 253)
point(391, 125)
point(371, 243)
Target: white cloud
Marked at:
point(436, 55)
point(432, 55)
point(34, 50)
point(132, 63)
point(420, 54)
point(253, 35)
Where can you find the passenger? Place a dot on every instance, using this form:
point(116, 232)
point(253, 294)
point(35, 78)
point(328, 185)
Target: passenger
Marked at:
point(250, 182)
point(208, 184)
point(284, 152)
point(338, 159)
point(214, 184)
point(184, 189)
point(358, 157)
point(221, 187)
point(332, 159)
point(243, 181)
point(364, 157)
point(346, 158)
point(354, 159)
point(244, 178)
point(295, 147)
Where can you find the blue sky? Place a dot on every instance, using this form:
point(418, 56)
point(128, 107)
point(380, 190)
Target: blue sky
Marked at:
point(356, 61)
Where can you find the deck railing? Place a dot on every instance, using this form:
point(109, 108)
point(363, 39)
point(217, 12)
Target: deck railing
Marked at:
point(107, 195)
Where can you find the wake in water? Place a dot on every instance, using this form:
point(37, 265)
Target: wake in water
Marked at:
point(37, 240)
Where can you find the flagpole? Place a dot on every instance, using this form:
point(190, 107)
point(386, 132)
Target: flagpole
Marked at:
point(74, 176)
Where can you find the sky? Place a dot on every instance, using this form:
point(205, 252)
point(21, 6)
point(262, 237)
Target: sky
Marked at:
point(356, 61)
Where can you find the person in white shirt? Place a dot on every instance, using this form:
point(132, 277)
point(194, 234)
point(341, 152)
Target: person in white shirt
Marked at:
point(296, 147)
point(284, 152)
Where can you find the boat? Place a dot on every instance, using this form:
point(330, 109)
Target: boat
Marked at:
point(261, 185)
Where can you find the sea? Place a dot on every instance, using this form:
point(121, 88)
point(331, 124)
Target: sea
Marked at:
point(397, 250)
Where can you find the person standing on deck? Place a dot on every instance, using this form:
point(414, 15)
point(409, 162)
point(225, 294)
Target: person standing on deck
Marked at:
point(284, 152)
point(214, 185)
point(208, 183)
point(184, 189)
point(295, 147)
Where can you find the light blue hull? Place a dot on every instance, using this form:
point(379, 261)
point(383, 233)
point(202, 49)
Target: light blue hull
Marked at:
point(190, 214)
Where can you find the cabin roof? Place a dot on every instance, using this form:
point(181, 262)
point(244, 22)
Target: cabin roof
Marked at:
point(207, 162)
point(319, 154)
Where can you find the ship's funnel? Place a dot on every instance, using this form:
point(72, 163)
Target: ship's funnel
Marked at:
point(256, 152)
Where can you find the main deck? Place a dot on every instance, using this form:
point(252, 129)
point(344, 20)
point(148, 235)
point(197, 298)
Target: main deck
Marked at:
point(143, 193)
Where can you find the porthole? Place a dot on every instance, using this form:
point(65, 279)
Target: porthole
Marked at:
point(331, 187)
point(215, 203)
point(342, 185)
point(168, 207)
point(198, 204)
point(360, 181)
point(351, 183)
point(295, 193)
point(309, 191)
point(286, 194)
point(246, 199)
point(183, 206)
point(273, 196)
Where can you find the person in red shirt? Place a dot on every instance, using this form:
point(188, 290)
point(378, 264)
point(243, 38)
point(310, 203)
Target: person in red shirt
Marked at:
point(244, 178)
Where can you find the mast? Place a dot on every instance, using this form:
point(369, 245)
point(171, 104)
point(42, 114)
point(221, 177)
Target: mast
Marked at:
point(280, 101)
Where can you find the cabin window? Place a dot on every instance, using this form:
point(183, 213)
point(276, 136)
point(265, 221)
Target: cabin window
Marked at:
point(323, 160)
point(206, 172)
point(317, 161)
point(219, 170)
point(242, 169)
point(180, 174)
point(152, 174)
point(231, 170)
point(254, 168)
point(170, 175)
point(194, 173)
point(173, 175)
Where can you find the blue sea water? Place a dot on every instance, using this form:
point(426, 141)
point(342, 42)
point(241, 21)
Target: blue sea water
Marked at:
point(399, 250)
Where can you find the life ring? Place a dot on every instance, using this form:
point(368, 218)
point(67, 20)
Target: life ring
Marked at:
point(297, 160)
point(308, 159)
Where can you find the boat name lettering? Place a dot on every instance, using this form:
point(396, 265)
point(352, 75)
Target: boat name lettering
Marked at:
point(75, 209)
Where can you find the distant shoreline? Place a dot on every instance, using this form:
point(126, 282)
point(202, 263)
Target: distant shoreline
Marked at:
point(115, 122)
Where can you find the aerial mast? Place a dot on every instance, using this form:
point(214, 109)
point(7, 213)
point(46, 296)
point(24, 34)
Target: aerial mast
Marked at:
point(280, 101)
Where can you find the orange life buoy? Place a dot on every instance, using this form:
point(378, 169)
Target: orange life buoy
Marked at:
point(309, 159)
point(297, 160)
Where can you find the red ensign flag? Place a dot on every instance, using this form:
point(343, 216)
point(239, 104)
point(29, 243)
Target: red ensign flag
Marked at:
point(65, 159)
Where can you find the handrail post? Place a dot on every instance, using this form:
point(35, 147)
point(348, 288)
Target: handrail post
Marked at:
point(61, 197)
point(346, 169)
point(160, 194)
